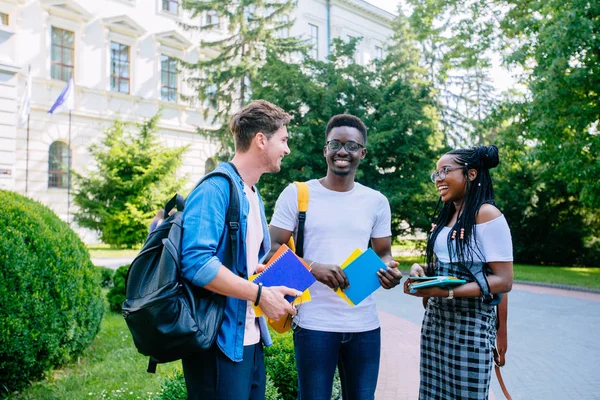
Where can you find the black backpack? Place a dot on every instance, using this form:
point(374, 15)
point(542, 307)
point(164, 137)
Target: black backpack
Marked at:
point(169, 318)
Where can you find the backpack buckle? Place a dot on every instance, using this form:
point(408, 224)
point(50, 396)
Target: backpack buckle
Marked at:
point(234, 226)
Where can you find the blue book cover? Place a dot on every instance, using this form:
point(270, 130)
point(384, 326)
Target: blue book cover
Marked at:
point(362, 276)
point(286, 270)
point(431, 281)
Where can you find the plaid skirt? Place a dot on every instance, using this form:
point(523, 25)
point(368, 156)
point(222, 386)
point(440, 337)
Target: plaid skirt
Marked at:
point(457, 338)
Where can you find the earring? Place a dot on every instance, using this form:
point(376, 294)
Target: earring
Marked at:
point(453, 235)
point(479, 184)
point(462, 233)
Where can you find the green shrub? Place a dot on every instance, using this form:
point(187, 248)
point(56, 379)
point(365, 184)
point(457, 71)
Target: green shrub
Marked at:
point(50, 296)
point(106, 277)
point(116, 294)
point(173, 388)
point(271, 392)
point(281, 365)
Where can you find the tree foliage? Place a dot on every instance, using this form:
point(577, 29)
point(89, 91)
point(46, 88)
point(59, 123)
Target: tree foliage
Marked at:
point(248, 29)
point(558, 44)
point(454, 39)
point(396, 107)
point(133, 177)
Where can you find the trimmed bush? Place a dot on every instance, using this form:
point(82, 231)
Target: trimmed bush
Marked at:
point(106, 277)
point(116, 294)
point(50, 295)
point(281, 365)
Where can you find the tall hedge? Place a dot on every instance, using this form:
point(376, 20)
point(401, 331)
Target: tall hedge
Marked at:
point(50, 299)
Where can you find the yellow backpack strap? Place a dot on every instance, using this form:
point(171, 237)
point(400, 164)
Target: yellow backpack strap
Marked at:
point(302, 196)
point(302, 208)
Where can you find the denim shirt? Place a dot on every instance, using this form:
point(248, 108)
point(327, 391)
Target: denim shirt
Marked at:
point(205, 247)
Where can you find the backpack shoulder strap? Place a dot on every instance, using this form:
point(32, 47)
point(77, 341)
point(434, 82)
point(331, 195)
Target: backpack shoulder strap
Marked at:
point(303, 197)
point(232, 219)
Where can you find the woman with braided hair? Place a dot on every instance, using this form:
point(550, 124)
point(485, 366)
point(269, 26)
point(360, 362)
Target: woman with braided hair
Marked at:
point(470, 239)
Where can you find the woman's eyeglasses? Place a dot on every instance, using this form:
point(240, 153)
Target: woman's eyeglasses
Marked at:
point(350, 146)
point(442, 173)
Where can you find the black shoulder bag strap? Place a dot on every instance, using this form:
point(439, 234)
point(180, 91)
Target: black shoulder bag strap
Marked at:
point(232, 219)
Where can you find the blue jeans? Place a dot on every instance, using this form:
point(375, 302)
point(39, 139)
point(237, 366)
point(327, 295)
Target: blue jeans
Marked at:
point(211, 375)
point(355, 354)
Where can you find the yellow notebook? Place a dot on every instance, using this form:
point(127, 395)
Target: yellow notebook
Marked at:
point(353, 256)
point(361, 270)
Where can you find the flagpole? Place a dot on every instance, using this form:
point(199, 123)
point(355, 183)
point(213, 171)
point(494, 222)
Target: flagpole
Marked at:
point(69, 175)
point(27, 104)
point(27, 157)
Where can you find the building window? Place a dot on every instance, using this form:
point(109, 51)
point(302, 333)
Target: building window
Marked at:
point(62, 57)
point(4, 19)
point(58, 165)
point(314, 41)
point(171, 6)
point(119, 67)
point(378, 53)
point(168, 78)
point(212, 19)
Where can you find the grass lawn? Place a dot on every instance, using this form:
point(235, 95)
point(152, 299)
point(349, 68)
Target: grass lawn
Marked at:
point(111, 368)
point(572, 276)
point(104, 251)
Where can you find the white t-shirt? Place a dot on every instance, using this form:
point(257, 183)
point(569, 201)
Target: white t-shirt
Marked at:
point(493, 241)
point(254, 238)
point(336, 224)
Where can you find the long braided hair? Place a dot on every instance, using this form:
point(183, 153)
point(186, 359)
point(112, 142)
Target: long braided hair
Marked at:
point(478, 192)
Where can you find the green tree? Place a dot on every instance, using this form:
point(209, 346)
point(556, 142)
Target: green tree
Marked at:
point(454, 39)
point(407, 142)
point(399, 113)
point(134, 176)
point(251, 29)
point(557, 44)
point(548, 130)
point(554, 44)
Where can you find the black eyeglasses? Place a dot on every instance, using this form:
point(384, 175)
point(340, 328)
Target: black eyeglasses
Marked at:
point(350, 146)
point(442, 173)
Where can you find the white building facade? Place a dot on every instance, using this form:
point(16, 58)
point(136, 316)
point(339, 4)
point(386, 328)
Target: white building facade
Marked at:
point(122, 55)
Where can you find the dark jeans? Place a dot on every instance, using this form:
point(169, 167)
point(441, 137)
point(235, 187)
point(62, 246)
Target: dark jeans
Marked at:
point(213, 376)
point(355, 354)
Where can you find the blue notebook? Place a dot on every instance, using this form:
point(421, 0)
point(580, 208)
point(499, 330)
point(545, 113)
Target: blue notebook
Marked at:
point(431, 281)
point(362, 276)
point(286, 269)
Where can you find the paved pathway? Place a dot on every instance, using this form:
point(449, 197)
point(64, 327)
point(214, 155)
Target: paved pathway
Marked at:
point(113, 263)
point(553, 345)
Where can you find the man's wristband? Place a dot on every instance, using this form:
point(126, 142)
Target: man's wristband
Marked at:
point(450, 294)
point(260, 285)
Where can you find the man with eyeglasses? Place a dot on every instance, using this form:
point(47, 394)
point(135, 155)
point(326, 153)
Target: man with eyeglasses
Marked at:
point(342, 215)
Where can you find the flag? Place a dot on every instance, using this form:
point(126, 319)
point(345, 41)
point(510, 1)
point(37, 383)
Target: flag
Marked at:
point(65, 100)
point(25, 106)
